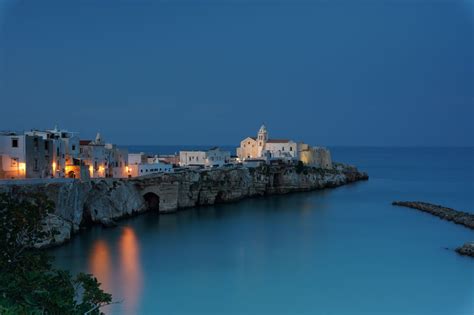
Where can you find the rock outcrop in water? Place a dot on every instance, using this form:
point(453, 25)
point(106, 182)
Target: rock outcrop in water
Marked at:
point(467, 249)
point(458, 217)
point(81, 203)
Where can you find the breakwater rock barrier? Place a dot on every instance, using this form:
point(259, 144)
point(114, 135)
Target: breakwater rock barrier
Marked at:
point(448, 214)
point(459, 217)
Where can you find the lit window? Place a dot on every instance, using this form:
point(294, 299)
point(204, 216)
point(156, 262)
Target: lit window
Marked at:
point(14, 162)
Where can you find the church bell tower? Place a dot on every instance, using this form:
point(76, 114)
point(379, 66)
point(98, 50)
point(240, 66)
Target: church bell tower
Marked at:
point(262, 139)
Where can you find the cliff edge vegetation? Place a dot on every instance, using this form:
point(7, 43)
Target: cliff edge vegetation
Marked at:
point(28, 282)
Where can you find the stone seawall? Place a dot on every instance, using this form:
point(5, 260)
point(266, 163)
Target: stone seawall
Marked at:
point(81, 203)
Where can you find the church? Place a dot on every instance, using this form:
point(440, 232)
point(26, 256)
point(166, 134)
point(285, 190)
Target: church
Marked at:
point(262, 147)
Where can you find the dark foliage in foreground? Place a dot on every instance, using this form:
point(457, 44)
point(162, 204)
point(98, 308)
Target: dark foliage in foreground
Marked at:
point(29, 284)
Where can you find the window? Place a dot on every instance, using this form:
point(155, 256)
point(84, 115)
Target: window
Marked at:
point(14, 162)
point(36, 164)
point(35, 141)
point(283, 148)
point(291, 148)
point(14, 143)
point(46, 145)
point(73, 147)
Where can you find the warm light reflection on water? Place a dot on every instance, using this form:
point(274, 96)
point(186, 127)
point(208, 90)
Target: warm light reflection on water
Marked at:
point(130, 270)
point(100, 264)
point(122, 275)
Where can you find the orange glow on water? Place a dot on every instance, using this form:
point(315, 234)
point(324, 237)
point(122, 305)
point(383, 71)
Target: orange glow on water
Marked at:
point(100, 264)
point(130, 270)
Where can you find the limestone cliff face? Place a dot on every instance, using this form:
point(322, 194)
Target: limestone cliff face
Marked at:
point(80, 203)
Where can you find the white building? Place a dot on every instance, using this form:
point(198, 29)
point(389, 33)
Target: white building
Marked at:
point(261, 147)
point(139, 164)
point(137, 158)
point(25, 156)
point(12, 155)
point(103, 159)
point(65, 149)
point(214, 157)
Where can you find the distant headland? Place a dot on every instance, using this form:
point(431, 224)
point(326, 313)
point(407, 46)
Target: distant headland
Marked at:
point(91, 181)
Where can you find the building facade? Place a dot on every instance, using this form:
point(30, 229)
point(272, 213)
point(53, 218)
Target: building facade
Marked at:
point(65, 149)
point(13, 155)
point(25, 156)
point(262, 147)
point(139, 164)
point(214, 157)
point(103, 159)
point(315, 156)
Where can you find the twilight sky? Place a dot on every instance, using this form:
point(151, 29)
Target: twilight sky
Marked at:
point(331, 72)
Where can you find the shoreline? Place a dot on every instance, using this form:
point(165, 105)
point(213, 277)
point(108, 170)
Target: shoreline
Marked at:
point(81, 204)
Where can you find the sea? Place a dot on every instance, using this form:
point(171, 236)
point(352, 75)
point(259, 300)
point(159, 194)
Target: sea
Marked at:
point(336, 251)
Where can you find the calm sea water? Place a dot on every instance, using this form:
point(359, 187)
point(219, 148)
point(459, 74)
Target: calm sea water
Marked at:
point(338, 251)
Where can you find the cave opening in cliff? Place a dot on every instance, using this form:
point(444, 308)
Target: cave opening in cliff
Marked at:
point(219, 197)
point(152, 201)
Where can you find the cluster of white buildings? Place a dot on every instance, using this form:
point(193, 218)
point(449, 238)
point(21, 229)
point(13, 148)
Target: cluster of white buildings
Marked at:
point(37, 154)
point(254, 151)
point(59, 153)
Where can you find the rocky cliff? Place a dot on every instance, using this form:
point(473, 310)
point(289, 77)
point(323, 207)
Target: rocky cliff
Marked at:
point(81, 203)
